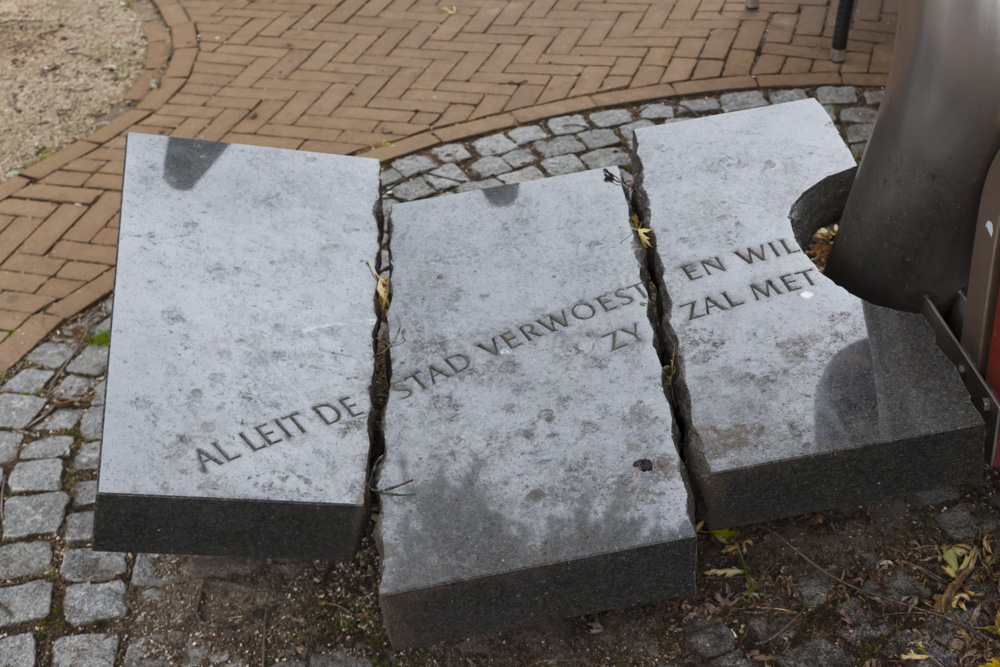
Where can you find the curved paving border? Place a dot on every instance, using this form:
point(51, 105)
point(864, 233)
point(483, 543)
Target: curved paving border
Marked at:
point(385, 78)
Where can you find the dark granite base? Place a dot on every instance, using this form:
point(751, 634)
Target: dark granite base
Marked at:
point(210, 527)
point(525, 597)
point(837, 479)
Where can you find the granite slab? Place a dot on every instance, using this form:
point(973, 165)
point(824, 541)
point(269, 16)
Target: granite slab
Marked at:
point(797, 395)
point(527, 414)
point(237, 391)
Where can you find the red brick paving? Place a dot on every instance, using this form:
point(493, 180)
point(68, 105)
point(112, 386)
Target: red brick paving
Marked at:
point(383, 78)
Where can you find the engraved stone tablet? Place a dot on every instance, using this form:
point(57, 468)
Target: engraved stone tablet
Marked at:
point(527, 408)
point(241, 352)
point(798, 396)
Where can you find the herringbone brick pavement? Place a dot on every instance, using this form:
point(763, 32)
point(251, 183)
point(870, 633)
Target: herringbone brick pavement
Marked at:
point(383, 78)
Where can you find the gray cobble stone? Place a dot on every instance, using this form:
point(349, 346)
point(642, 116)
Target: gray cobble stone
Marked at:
point(51, 355)
point(144, 571)
point(86, 565)
point(837, 95)
point(874, 97)
point(495, 144)
point(831, 111)
point(61, 420)
point(143, 653)
point(439, 183)
point(784, 96)
point(9, 444)
point(567, 124)
point(43, 475)
point(80, 527)
point(611, 117)
point(657, 111)
point(56, 446)
point(732, 659)
point(526, 133)
point(606, 157)
point(92, 360)
point(958, 523)
point(701, 105)
point(17, 651)
point(86, 603)
point(813, 591)
point(519, 158)
point(413, 164)
point(99, 393)
point(16, 410)
point(74, 386)
point(40, 514)
point(28, 381)
point(84, 493)
point(451, 153)
point(337, 659)
point(450, 171)
point(490, 166)
point(389, 176)
point(85, 651)
point(88, 457)
point(479, 185)
point(599, 138)
point(629, 128)
point(858, 115)
point(27, 602)
point(562, 164)
point(522, 175)
point(944, 494)
point(859, 132)
point(415, 188)
point(24, 559)
point(563, 145)
point(747, 99)
point(813, 652)
point(710, 639)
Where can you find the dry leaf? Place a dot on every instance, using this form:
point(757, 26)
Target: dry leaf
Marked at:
point(725, 572)
point(642, 232)
point(913, 655)
point(449, 10)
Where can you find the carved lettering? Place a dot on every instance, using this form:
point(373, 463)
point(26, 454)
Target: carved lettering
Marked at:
point(626, 298)
point(292, 417)
point(396, 386)
point(437, 371)
point(348, 406)
point(604, 305)
point(318, 409)
point(528, 330)
point(714, 263)
point(580, 317)
point(691, 311)
point(223, 452)
point(510, 338)
point(764, 291)
point(691, 271)
point(265, 435)
point(284, 430)
point(204, 456)
point(732, 304)
point(712, 303)
point(787, 280)
point(805, 274)
point(789, 251)
point(494, 351)
point(464, 358)
point(751, 254)
point(250, 444)
point(553, 321)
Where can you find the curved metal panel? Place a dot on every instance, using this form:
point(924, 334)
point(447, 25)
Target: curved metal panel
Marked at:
point(908, 226)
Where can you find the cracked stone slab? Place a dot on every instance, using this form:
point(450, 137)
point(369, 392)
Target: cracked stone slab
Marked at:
point(27, 602)
point(38, 514)
point(527, 408)
point(237, 391)
point(801, 396)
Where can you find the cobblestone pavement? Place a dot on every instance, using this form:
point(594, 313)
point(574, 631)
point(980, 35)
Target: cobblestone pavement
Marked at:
point(63, 604)
point(385, 78)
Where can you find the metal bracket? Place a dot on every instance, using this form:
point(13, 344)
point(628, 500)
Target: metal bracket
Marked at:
point(982, 397)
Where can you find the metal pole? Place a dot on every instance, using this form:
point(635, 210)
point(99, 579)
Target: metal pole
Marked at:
point(838, 52)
